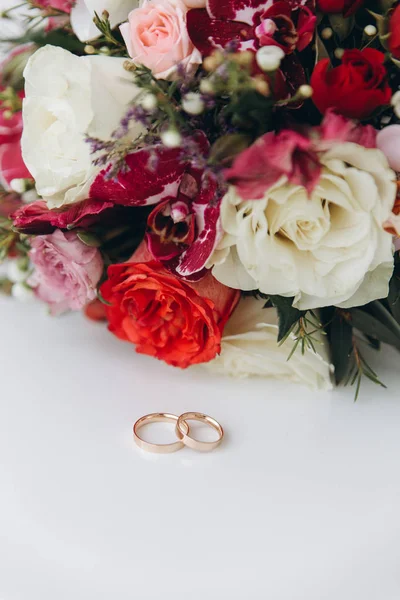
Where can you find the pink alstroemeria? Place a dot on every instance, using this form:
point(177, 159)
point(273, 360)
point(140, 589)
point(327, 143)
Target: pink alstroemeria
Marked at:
point(252, 24)
point(271, 157)
point(294, 155)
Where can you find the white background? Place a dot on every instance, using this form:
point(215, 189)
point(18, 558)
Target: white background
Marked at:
point(301, 502)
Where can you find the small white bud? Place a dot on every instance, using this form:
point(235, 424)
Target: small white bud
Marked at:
point(18, 185)
point(15, 273)
point(206, 87)
point(89, 49)
point(269, 58)
point(149, 102)
point(339, 53)
point(193, 104)
point(370, 30)
point(171, 138)
point(105, 50)
point(29, 196)
point(327, 33)
point(305, 91)
point(22, 292)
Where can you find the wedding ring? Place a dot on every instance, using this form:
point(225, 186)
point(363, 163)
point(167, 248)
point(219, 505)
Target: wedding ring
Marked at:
point(157, 418)
point(183, 434)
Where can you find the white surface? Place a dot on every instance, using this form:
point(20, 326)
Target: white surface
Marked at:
point(301, 502)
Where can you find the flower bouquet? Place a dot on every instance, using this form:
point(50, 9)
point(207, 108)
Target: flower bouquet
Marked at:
point(216, 179)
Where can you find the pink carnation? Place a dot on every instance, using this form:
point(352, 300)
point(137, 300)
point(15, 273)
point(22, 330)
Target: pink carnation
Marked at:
point(156, 36)
point(66, 271)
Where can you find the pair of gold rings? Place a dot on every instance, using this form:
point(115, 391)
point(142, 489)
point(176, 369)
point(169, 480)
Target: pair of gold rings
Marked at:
point(182, 431)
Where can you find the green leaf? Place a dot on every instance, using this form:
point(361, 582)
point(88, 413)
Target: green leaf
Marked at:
point(228, 146)
point(373, 327)
point(320, 49)
point(287, 315)
point(89, 239)
point(395, 61)
point(394, 290)
point(341, 26)
point(251, 111)
point(341, 338)
point(102, 300)
point(386, 5)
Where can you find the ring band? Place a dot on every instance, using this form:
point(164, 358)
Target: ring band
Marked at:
point(157, 418)
point(192, 443)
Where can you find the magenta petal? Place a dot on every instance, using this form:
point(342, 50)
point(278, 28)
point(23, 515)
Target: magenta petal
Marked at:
point(207, 33)
point(195, 258)
point(152, 175)
point(237, 10)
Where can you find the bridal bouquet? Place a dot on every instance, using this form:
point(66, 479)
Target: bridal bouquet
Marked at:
point(217, 179)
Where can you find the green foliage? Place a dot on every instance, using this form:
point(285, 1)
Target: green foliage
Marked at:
point(341, 26)
point(359, 368)
point(288, 316)
point(340, 335)
point(376, 322)
point(227, 147)
point(394, 290)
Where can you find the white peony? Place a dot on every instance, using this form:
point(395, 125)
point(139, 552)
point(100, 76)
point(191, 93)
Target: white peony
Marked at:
point(83, 12)
point(250, 348)
point(67, 98)
point(327, 249)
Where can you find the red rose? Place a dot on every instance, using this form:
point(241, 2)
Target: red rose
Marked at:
point(355, 88)
point(394, 29)
point(175, 321)
point(345, 7)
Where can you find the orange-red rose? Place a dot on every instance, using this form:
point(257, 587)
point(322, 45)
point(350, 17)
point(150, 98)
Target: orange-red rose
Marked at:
point(175, 321)
point(355, 88)
point(394, 30)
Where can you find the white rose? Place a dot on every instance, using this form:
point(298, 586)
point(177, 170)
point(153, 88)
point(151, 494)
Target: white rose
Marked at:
point(67, 98)
point(83, 12)
point(327, 249)
point(250, 348)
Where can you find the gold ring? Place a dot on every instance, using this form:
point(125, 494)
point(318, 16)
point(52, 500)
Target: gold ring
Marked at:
point(157, 418)
point(183, 434)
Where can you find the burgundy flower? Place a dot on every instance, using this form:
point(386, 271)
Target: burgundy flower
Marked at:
point(252, 23)
point(184, 226)
point(36, 218)
point(184, 230)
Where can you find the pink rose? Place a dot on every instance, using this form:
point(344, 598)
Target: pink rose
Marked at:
point(388, 141)
point(156, 36)
point(66, 271)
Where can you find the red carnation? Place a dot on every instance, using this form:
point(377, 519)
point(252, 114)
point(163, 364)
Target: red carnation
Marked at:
point(355, 88)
